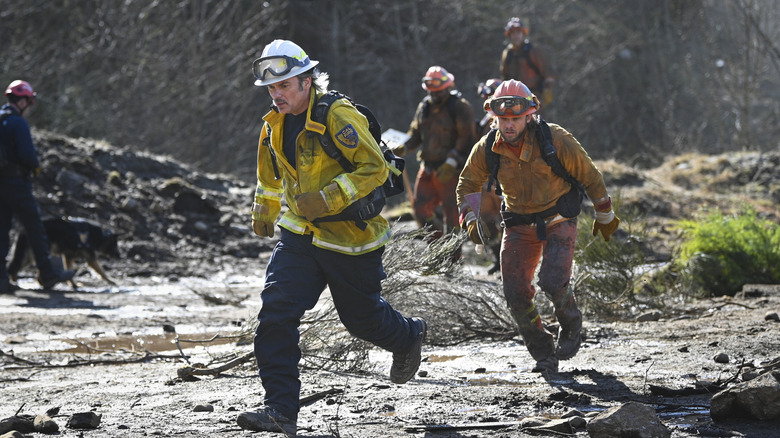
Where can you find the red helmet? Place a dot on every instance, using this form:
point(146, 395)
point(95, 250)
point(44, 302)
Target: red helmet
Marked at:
point(20, 89)
point(437, 79)
point(512, 99)
point(515, 23)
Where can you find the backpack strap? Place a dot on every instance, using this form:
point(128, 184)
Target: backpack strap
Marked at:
point(319, 115)
point(493, 161)
point(550, 156)
point(364, 208)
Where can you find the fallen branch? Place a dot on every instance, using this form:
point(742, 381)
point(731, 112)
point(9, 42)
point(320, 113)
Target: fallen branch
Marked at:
point(486, 425)
point(15, 358)
point(188, 371)
point(309, 399)
point(699, 388)
point(148, 356)
point(465, 426)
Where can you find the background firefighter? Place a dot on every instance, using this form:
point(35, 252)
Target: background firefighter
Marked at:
point(443, 130)
point(16, 190)
point(525, 62)
point(532, 190)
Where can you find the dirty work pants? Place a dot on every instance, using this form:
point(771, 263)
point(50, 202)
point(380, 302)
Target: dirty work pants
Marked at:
point(16, 198)
point(429, 193)
point(520, 253)
point(296, 276)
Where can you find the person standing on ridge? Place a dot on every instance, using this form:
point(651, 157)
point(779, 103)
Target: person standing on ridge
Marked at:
point(540, 211)
point(522, 61)
point(443, 129)
point(18, 164)
point(313, 252)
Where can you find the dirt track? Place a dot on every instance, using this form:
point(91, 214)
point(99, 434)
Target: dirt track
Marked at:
point(467, 387)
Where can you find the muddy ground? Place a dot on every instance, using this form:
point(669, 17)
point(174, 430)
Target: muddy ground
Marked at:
point(191, 270)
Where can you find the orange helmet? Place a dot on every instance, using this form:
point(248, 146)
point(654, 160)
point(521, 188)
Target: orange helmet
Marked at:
point(437, 79)
point(512, 99)
point(20, 89)
point(515, 23)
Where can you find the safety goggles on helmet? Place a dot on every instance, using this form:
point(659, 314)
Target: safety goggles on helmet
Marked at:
point(435, 83)
point(277, 65)
point(515, 105)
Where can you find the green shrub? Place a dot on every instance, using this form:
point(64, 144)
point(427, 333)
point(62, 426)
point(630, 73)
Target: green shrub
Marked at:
point(608, 276)
point(721, 253)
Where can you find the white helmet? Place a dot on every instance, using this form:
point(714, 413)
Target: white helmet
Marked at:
point(280, 60)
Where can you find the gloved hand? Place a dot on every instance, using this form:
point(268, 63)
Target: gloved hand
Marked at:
point(547, 96)
point(606, 222)
point(448, 170)
point(471, 225)
point(399, 150)
point(315, 204)
point(263, 229)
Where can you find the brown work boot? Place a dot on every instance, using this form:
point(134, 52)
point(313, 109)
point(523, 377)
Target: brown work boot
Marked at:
point(406, 364)
point(569, 338)
point(547, 365)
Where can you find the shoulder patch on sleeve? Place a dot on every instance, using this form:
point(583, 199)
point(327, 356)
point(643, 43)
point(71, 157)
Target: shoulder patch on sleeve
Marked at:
point(348, 137)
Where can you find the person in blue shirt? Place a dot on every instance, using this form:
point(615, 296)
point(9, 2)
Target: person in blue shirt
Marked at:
point(18, 164)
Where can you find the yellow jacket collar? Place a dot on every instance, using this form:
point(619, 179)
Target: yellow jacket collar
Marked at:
point(311, 125)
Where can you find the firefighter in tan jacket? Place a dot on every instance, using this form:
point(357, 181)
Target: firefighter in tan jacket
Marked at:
point(534, 198)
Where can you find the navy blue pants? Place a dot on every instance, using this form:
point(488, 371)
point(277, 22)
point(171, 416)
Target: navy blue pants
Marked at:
point(296, 276)
point(16, 198)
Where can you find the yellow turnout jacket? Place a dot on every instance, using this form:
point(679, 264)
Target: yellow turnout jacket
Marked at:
point(315, 170)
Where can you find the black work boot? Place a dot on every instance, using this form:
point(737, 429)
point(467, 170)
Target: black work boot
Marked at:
point(267, 420)
point(407, 363)
point(52, 279)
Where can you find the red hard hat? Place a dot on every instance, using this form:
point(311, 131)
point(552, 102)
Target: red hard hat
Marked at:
point(515, 23)
point(512, 99)
point(20, 89)
point(437, 79)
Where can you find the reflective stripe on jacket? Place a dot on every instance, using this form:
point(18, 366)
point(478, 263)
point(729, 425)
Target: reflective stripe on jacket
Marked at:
point(316, 170)
point(528, 183)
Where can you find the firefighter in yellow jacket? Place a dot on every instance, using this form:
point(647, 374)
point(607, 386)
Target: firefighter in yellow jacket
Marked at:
point(540, 216)
point(314, 252)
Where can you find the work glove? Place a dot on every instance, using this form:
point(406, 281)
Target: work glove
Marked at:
point(606, 222)
point(471, 226)
point(262, 228)
point(448, 170)
point(547, 96)
point(312, 205)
